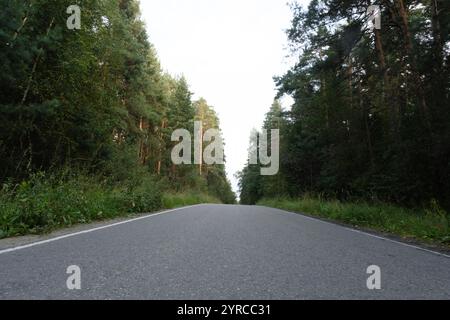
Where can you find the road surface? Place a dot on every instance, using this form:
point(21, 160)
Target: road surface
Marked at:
point(223, 252)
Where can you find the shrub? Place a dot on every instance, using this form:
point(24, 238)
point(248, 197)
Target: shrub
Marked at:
point(45, 202)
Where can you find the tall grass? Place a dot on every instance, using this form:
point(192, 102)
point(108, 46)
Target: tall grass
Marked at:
point(431, 223)
point(47, 202)
point(176, 200)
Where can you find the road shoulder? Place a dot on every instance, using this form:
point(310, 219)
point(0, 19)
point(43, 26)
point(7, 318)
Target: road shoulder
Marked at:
point(14, 242)
point(435, 247)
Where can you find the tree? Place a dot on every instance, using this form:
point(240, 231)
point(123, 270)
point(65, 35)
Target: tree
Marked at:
point(93, 98)
point(369, 119)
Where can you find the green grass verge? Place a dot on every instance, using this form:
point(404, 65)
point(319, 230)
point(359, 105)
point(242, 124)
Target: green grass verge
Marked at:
point(176, 200)
point(45, 203)
point(431, 224)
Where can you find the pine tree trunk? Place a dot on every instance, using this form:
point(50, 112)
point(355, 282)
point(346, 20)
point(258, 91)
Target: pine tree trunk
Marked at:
point(141, 143)
point(393, 110)
point(24, 22)
point(33, 70)
point(159, 163)
point(350, 80)
point(365, 114)
point(403, 14)
point(437, 37)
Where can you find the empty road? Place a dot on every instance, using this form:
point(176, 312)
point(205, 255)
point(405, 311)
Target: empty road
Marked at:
point(223, 252)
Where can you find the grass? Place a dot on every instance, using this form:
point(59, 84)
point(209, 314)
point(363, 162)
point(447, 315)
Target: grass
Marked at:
point(176, 200)
point(45, 203)
point(430, 224)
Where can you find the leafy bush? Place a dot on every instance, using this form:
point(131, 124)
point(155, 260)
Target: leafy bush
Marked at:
point(49, 201)
point(146, 197)
point(46, 202)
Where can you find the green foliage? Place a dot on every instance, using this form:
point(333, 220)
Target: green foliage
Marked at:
point(176, 200)
point(95, 100)
point(253, 186)
point(46, 202)
point(431, 224)
point(370, 118)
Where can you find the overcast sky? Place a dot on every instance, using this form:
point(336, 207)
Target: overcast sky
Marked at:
point(229, 51)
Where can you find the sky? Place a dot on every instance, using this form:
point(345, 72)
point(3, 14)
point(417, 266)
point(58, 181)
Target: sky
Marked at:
point(229, 51)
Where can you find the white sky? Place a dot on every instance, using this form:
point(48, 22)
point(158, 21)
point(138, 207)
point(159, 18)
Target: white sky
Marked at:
point(228, 50)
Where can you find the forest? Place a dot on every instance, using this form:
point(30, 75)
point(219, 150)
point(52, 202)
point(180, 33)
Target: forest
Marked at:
point(370, 120)
point(87, 116)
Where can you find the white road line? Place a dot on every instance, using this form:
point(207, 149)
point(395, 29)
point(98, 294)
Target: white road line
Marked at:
point(89, 230)
point(168, 211)
point(366, 233)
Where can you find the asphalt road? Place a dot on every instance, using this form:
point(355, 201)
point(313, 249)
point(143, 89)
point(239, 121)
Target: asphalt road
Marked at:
point(223, 252)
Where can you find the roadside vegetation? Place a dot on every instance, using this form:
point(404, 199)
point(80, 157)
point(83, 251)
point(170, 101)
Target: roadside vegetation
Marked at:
point(370, 118)
point(176, 200)
point(48, 202)
point(87, 117)
point(429, 224)
point(370, 122)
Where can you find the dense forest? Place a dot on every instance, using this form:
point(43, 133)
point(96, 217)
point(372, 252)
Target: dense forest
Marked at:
point(371, 117)
point(92, 101)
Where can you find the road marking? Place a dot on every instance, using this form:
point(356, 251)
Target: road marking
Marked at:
point(90, 230)
point(398, 242)
point(178, 209)
point(365, 233)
